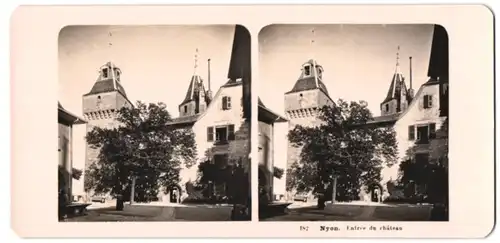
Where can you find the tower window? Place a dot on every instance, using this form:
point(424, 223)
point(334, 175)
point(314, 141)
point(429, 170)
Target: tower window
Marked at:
point(185, 109)
point(105, 73)
point(307, 70)
point(387, 107)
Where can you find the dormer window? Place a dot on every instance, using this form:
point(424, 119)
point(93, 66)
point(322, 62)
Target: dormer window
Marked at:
point(387, 107)
point(118, 74)
point(185, 109)
point(226, 103)
point(307, 70)
point(105, 73)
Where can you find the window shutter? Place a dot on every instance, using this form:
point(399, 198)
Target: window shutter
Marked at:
point(411, 133)
point(210, 134)
point(228, 103)
point(432, 130)
point(230, 132)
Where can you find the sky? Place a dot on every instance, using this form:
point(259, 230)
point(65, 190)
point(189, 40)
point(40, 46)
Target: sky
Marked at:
point(157, 62)
point(358, 60)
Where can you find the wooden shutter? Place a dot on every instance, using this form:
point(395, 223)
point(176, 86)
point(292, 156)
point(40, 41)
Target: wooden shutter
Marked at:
point(230, 132)
point(432, 130)
point(210, 134)
point(411, 132)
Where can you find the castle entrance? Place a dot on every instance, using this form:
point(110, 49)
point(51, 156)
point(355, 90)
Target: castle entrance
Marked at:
point(376, 191)
point(175, 193)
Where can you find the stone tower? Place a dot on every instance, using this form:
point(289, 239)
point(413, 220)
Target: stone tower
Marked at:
point(303, 102)
point(100, 105)
point(197, 98)
point(398, 96)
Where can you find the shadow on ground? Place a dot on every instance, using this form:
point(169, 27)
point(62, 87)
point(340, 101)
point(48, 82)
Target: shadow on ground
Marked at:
point(346, 212)
point(157, 213)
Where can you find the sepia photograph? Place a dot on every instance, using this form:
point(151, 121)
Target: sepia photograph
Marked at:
point(154, 123)
point(354, 123)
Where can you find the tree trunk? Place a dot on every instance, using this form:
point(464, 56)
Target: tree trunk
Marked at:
point(119, 202)
point(321, 202)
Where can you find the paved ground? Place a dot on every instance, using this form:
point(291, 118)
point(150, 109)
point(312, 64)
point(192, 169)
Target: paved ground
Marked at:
point(155, 212)
point(356, 212)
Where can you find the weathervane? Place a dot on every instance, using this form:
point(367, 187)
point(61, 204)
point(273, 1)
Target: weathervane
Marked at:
point(195, 60)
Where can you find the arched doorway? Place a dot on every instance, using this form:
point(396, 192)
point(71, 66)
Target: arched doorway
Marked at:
point(174, 193)
point(376, 191)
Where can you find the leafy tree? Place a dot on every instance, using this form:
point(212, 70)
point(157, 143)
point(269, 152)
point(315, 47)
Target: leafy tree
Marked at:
point(76, 173)
point(278, 172)
point(343, 145)
point(142, 146)
point(212, 175)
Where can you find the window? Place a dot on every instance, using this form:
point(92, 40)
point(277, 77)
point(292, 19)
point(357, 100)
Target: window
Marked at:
point(423, 134)
point(210, 134)
point(427, 101)
point(117, 76)
point(411, 132)
point(307, 70)
point(387, 107)
point(185, 109)
point(226, 103)
point(105, 73)
point(222, 134)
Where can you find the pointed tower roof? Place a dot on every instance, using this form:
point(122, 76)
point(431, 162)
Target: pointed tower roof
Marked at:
point(311, 80)
point(108, 80)
point(397, 83)
point(195, 86)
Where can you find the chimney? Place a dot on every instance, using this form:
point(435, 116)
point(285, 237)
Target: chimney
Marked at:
point(209, 91)
point(410, 91)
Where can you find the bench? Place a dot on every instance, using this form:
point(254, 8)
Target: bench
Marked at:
point(273, 209)
point(75, 209)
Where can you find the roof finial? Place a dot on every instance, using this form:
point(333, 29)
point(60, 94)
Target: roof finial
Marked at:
point(110, 44)
point(195, 61)
point(313, 60)
point(397, 60)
